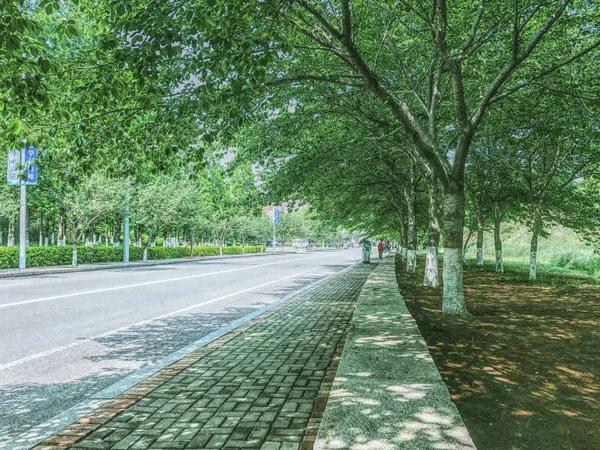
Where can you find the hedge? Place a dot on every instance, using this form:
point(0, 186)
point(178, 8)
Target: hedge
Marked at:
point(62, 256)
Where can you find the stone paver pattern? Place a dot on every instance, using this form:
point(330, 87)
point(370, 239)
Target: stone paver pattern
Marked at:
point(263, 386)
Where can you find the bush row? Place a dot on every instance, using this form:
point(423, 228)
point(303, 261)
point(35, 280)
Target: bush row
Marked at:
point(62, 256)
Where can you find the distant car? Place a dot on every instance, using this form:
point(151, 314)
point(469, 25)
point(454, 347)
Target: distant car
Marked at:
point(270, 244)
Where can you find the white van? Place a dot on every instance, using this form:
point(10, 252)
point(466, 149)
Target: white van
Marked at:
point(300, 243)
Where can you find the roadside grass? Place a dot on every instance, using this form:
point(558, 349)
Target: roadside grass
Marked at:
point(524, 369)
point(562, 251)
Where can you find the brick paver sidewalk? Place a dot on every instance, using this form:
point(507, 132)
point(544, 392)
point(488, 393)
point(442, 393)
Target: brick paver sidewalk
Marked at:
point(262, 386)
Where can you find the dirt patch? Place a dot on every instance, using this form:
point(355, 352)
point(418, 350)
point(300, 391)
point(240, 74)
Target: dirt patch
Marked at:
point(524, 370)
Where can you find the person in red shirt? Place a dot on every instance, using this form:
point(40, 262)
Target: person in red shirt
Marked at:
point(380, 249)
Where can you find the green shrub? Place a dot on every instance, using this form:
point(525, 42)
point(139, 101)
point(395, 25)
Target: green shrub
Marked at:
point(62, 256)
point(200, 250)
point(168, 252)
point(9, 257)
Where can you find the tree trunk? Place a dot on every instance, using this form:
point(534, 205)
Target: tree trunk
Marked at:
point(498, 240)
point(243, 245)
point(10, 239)
point(61, 230)
point(74, 257)
point(454, 217)
point(411, 247)
point(479, 243)
point(404, 243)
point(537, 229)
point(41, 235)
point(431, 277)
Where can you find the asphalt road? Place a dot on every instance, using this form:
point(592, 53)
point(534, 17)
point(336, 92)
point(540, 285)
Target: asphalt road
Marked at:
point(65, 337)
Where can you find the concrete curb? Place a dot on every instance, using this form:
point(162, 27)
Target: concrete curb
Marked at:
point(388, 393)
point(110, 395)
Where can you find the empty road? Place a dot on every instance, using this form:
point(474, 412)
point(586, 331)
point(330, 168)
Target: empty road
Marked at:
point(65, 337)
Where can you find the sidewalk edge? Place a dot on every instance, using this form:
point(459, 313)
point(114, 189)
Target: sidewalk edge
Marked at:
point(388, 392)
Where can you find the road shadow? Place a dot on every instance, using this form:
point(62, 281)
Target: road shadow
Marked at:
point(112, 357)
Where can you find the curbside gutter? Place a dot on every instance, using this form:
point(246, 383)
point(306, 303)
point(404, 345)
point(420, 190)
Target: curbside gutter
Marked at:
point(388, 393)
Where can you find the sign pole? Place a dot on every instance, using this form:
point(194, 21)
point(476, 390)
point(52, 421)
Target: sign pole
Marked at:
point(126, 226)
point(273, 232)
point(23, 220)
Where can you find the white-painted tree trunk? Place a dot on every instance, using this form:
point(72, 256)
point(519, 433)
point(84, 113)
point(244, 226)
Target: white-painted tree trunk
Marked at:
point(431, 277)
point(74, 256)
point(499, 261)
point(411, 261)
point(411, 222)
point(532, 266)
point(404, 253)
point(537, 229)
point(480, 256)
point(145, 254)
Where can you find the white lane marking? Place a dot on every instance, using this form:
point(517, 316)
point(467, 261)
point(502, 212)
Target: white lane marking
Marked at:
point(143, 322)
point(147, 283)
point(14, 284)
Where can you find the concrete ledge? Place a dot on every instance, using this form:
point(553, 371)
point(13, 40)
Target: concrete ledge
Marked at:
point(388, 393)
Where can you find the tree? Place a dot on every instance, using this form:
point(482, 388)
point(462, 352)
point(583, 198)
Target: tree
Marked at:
point(556, 151)
point(95, 198)
point(155, 208)
point(485, 53)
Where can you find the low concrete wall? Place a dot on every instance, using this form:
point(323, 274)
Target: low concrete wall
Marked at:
point(388, 393)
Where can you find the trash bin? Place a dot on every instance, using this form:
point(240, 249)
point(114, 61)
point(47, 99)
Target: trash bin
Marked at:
point(366, 252)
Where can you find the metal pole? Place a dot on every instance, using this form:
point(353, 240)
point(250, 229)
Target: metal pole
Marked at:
point(273, 231)
point(23, 219)
point(126, 226)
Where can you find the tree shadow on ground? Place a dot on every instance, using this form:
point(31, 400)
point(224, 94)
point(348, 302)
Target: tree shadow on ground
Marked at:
point(524, 370)
point(377, 414)
point(108, 359)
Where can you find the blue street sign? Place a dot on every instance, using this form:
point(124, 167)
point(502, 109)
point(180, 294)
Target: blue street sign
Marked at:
point(14, 163)
point(31, 171)
point(277, 217)
point(12, 168)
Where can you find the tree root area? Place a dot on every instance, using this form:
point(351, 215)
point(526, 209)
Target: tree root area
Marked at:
point(524, 369)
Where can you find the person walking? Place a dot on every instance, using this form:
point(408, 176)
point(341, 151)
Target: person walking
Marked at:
point(380, 249)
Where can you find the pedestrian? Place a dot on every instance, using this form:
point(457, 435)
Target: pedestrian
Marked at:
point(380, 249)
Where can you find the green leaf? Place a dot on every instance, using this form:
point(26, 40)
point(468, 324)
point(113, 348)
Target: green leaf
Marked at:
point(44, 65)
